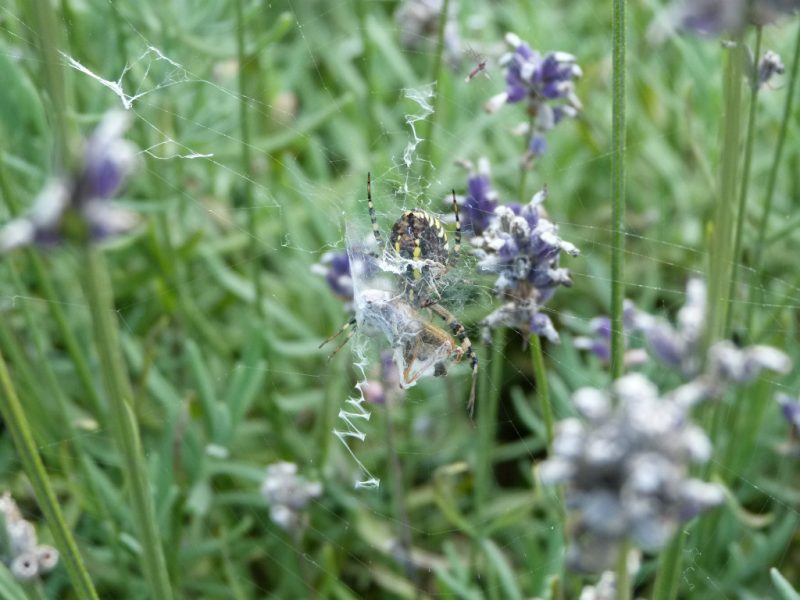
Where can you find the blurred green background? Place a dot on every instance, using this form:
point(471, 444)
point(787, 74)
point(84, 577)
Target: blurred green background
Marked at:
point(224, 387)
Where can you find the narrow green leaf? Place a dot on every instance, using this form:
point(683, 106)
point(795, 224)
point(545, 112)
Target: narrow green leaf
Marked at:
point(505, 572)
point(785, 589)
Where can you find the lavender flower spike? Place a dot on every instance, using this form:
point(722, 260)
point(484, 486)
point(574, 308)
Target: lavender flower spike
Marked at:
point(77, 207)
point(712, 17)
point(626, 470)
point(546, 83)
point(522, 248)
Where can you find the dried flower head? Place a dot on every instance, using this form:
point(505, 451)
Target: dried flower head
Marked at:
point(626, 470)
point(523, 248)
point(27, 557)
point(604, 589)
point(78, 207)
point(545, 82)
point(418, 23)
point(769, 66)
point(288, 494)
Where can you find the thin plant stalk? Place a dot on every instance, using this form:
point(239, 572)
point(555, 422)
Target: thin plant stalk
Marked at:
point(399, 499)
point(542, 390)
point(618, 190)
point(247, 182)
point(721, 256)
point(437, 70)
point(669, 569)
point(488, 400)
point(623, 576)
point(115, 378)
point(369, 98)
point(47, 34)
point(770, 192)
point(524, 166)
point(17, 424)
point(748, 155)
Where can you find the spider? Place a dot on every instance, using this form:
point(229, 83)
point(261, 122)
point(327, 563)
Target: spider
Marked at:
point(419, 240)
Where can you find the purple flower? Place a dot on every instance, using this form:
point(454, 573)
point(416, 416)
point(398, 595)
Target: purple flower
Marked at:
point(626, 470)
point(477, 207)
point(791, 411)
point(545, 82)
point(679, 346)
point(335, 267)
point(78, 207)
point(599, 343)
point(712, 17)
point(522, 248)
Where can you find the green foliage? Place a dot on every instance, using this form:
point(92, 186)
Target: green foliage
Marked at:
point(222, 387)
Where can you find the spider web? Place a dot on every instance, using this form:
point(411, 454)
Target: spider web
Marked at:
point(153, 83)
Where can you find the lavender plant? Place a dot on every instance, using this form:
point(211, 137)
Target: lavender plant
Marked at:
point(545, 83)
point(625, 468)
point(481, 199)
point(78, 207)
point(711, 17)
point(522, 248)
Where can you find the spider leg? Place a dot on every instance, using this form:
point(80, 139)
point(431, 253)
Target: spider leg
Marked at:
point(371, 208)
point(410, 357)
point(457, 241)
point(466, 346)
point(351, 326)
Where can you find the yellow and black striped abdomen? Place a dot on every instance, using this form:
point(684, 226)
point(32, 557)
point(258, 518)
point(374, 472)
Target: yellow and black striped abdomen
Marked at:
point(417, 235)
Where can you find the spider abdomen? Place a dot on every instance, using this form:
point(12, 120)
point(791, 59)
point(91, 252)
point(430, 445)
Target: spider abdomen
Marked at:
point(417, 235)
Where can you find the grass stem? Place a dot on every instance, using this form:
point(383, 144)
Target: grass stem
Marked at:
point(488, 400)
point(404, 533)
point(623, 576)
point(758, 251)
point(618, 190)
point(115, 377)
point(669, 569)
point(369, 100)
point(542, 390)
point(247, 182)
point(48, 35)
point(721, 255)
point(742, 208)
point(437, 70)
